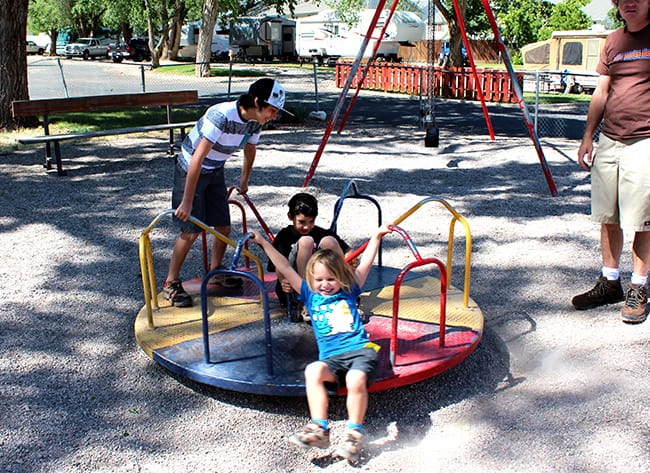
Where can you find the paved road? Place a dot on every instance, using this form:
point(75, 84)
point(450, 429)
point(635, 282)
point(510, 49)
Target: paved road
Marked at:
point(57, 77)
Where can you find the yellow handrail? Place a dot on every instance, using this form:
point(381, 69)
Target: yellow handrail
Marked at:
point(450, 242)
point(147, 267)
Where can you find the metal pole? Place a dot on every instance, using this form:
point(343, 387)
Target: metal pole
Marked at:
point(316, 84)
point(344, 92)
point(520, 98)
point(536, 99)
point(229, 78)
point(142, 83)
point(479, 89)
point(366, 68)
point(65, 86)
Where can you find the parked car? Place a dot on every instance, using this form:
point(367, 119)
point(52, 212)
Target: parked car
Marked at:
point(33, 48)
point(86, 48)
point(136, 50)
point(443, 57)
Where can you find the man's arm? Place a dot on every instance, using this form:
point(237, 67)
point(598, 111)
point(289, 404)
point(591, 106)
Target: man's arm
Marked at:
point(594, 116)
point(249, 159)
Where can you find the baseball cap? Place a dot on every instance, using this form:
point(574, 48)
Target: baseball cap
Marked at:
point(270, 91)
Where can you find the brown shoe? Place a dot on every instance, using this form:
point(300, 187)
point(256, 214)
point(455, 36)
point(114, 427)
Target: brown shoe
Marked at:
point(604, 292)
point(636, 304)
point(350, 449)
point(174, 293)
point(226, 281)
point(313, 435)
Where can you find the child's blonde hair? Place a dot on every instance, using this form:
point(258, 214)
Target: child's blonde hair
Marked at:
point(336, 265)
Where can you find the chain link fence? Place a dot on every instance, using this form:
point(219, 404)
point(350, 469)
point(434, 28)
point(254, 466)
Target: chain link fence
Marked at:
point(309, 84)
point(311, 87)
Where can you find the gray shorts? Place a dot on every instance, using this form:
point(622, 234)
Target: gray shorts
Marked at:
point(364, 359)
point(210, 204)
point(620, 183)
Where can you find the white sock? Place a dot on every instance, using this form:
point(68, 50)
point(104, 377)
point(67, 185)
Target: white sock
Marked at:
point(612, 274)
point(639, 280)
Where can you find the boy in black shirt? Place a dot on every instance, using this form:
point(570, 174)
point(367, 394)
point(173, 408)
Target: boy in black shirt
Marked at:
point(298, 241)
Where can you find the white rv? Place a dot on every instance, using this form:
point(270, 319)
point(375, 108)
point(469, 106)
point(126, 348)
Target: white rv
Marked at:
point(264, 37)
point(325, 35)
point(190, 37)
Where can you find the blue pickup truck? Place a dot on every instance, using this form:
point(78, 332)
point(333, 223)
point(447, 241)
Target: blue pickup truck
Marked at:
point(443, 57)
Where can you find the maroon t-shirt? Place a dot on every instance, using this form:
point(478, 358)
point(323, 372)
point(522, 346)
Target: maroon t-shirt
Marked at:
point(626, 59)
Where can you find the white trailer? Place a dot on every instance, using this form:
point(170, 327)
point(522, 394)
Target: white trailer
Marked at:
point(326, 36)
point(264, 37)
point(220, 48)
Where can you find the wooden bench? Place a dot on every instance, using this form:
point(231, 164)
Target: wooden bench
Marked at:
point(90, 104)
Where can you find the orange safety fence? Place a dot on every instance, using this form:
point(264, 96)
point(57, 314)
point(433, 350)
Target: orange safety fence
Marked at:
point(448, 82)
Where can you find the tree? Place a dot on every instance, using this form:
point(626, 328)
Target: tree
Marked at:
point(204, 44)
point(455, 37)
point(210, 12)
point(13, 60)
point(49, 16)
point(566, 15)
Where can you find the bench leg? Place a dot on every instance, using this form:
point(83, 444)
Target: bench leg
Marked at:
point(48, 157)
point(57, 157)
point(170, 151)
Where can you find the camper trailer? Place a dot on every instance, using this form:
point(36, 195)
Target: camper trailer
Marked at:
point(325, 36)
point(569, 56)
point(265, 37)
point(190, 37)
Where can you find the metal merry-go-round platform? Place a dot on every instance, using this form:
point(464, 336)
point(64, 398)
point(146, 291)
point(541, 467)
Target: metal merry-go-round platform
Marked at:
point(242, 340)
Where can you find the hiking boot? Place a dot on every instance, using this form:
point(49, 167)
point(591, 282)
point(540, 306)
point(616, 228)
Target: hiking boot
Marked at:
point(351, 447)
point(604, 292)
point(226, 281)
point(636, 304)
point(313, 435)
point(174, 293)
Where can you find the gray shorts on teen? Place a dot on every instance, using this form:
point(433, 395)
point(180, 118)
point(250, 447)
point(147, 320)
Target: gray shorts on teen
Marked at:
point(210, 204)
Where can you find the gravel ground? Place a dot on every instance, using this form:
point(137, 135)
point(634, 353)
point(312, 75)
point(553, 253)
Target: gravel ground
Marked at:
point(548, 389)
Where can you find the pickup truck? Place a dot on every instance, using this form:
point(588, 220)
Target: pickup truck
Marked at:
point(86, 48)
point(136, 50)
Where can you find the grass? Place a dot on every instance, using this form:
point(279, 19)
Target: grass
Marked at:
point(190, 70)
point(80, 122)
point(529, 98)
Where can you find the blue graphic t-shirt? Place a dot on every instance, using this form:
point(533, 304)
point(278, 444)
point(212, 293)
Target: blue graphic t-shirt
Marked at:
point(336, 321)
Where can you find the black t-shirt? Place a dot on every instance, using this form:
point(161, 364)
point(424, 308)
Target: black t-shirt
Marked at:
point(288, 236)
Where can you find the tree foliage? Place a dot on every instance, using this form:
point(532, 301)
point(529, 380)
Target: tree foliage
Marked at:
point(567, 15)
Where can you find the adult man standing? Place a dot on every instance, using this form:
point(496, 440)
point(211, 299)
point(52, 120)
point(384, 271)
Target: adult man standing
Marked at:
point(620, 172)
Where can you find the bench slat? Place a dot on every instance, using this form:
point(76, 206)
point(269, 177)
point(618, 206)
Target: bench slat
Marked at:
point(94, 134)
point(23, 108)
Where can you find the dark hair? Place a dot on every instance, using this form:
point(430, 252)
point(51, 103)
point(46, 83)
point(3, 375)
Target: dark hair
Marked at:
point(303, 204)
point(248, 101)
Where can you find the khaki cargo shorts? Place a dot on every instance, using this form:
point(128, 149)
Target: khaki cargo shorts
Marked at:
point(620, 183)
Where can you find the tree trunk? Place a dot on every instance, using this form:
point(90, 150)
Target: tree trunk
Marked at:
point(455, 36)
point(13, 61)
point(54, 36)
point(204, 46)
point(174, 37)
